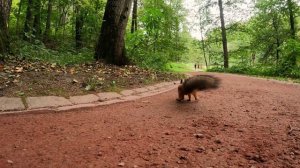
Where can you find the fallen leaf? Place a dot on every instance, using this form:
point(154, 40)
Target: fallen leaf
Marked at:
point(74, 81)
point(72, 71)
point(19, 69)
point(53, 65)
point(89, 88)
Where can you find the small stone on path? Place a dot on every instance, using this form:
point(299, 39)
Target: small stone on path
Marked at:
point(184, 149)
point(217, 141)
point(200, 149)
point(121, 164)
point(199, 136)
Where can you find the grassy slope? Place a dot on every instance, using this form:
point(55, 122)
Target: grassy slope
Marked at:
point(180, 67)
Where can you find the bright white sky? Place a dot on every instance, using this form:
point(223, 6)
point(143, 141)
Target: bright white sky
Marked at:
point(230, 16)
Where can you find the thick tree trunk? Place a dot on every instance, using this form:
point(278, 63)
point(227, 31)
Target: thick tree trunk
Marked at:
point(134, 17)
point(5, 6)
point(224, 38)
point(111, 44)
point(48, 21)
point(28, 21)
point(78, 26)
point(37, 19)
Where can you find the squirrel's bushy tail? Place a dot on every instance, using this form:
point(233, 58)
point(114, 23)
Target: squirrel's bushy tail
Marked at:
point(200, 82)
point(215, 82)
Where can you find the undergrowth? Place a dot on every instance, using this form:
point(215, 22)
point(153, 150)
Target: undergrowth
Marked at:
point(265, 71)
point(37, 51)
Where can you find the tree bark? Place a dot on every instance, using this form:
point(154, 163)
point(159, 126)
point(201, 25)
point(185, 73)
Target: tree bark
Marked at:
point(37, 19)
point(292, 17)
point(111, 44)
point(204, 52)
point(203, 43)
point(134, 17)
point(18, 17)
point(276, 28)
point(48, 21)
point(224, 38)
point(5, 6)
point(78, 26)
point(28, 21)
point(293, 56)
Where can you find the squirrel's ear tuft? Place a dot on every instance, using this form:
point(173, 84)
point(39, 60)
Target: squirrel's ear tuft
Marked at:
point(181, 81)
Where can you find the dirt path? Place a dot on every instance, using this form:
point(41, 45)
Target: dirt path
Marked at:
point(244, 123)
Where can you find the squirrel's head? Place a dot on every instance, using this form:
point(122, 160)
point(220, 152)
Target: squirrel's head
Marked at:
point(180, 93)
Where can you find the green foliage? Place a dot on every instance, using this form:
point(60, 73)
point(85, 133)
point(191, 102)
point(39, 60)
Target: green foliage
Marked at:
point(271, 71)
point(158, 39)
point(180, 67)
point(150, 60)
point(264, 45)
point(193, 52)
point(38, 51)
point(62, 20)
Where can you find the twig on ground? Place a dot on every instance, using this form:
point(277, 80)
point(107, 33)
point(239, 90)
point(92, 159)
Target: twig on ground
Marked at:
point(292, 129)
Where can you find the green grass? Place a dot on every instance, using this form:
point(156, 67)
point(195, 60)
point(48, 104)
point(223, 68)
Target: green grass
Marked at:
point(64, 56)
point(262, 72)
point(180, 67)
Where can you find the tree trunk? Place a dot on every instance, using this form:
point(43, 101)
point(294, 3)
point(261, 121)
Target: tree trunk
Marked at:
point(291, 8)
point(18, 17)
point(134, 17)
point(224, 38)
point(28, 21)
point(111, 44)
point(276, 28)
point(5, 6)
point(78, 26)
point(37, 19)
point(292, 17)
point(204, 52)
point(48, 21)
point(277, 49)
point(203, 43)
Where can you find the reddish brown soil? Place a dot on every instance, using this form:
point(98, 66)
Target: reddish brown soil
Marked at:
point(245, 123)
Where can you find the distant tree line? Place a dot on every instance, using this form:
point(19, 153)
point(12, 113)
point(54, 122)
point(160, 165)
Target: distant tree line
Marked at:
point(268, 41)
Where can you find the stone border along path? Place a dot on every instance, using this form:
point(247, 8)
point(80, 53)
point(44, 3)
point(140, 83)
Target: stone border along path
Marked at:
point(57, 104)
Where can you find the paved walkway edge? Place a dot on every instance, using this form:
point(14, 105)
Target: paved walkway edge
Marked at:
point(41, 105)
point(35, 108)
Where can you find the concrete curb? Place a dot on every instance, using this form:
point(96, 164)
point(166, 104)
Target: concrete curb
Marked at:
point(48, 104)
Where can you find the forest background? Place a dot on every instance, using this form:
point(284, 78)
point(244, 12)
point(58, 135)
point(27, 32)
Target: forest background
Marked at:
point(264, 40)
